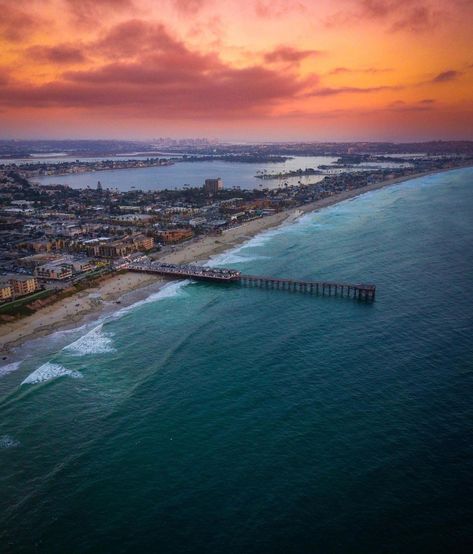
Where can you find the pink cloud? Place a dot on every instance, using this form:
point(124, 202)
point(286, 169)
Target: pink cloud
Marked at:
point(278, 8)
point(58, 54)
point(155, 74)
point(15, 24)
point(396, 15)
point(90, 11)
point(189, 6)
point(335, 91)
point(288, 54)
point(135, 36)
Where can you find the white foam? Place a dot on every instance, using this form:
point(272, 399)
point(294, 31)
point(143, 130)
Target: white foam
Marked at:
point(168, 291)
point(239, 254)
point(98, 341)
point(95, 341)
point(6, 441)
point(49, 371)
point(262, 238)
point(232, 257)
point(8, 368)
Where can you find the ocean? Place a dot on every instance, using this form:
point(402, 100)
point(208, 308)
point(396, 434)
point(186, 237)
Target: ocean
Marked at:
point(210, 419)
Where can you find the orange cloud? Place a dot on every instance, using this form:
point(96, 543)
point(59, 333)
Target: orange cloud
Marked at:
point(288, 54)
point(15, 23)
point(447, 76)
point(57, 54)
point(272, 65)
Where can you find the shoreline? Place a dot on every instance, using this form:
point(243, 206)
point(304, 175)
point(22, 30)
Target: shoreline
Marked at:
point(126, 289)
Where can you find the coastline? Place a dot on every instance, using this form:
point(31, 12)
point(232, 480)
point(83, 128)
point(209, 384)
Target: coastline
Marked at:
point(95, 302)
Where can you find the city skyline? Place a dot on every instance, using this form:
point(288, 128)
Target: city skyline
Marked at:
point(281, 70)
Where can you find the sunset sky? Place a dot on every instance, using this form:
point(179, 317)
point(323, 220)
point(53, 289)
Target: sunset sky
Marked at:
point(237, 69)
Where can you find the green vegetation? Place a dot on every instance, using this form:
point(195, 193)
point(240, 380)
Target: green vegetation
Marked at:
point(19, 307)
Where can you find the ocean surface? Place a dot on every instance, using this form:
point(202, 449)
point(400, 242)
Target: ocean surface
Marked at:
point(219, 419)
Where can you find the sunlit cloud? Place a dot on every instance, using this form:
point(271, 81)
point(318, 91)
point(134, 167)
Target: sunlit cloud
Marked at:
point(247, 67)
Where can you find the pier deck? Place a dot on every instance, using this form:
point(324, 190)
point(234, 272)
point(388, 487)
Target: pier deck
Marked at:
point(366, 292)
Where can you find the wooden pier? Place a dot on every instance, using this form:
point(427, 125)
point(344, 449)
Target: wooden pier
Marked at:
point(362, 292)
point(322, 288)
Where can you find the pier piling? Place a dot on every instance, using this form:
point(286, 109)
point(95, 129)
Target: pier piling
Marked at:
point(361, 292)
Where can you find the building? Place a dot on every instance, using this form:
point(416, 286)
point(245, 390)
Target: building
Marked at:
point(121, 248)
point(37, 259)
point(58, 271)
point(23, 284)
point(81, 266)
point(213, 185)
point(114, 249)
point(6, 291)
point(142, 242)
point(175, 235)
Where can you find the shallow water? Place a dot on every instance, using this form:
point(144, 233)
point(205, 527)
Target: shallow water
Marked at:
point(227, 419)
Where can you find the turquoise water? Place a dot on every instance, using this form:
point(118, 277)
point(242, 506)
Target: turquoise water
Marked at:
point(212, 419)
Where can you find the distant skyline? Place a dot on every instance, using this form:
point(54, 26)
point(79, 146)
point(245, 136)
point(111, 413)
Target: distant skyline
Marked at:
point(279, 70)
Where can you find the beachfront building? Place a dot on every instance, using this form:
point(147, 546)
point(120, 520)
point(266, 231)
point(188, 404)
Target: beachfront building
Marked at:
point(171, 236)
point(113, 249)
point(213, 185)
point(81, 266)
point(123, 247)
point(142, 242)
point(6, 291)
point(23, 284)
point(57, 271)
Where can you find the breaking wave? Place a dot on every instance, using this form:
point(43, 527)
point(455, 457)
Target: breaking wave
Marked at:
point(232, 257)
point(168, 291)
point(49, 371)
point(95, 341)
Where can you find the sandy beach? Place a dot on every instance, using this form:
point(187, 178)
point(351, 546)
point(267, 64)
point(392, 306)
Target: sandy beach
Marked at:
point(92, 302)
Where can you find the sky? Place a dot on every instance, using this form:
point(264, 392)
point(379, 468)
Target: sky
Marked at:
point(246, 70)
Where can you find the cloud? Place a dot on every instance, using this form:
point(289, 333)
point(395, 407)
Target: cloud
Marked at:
point(227, 94)
point(288, 54)
point(420, 106)
point(334, 91)
point(15, 24)
point(58, 54)
point(447, 76)
point(277, 8)
point(367, 70)
point(189, 6)
point(397, 15)
point(137, 37)
point(89, 11)
point(416, 19)
point(153, 74)
point(4, 78)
